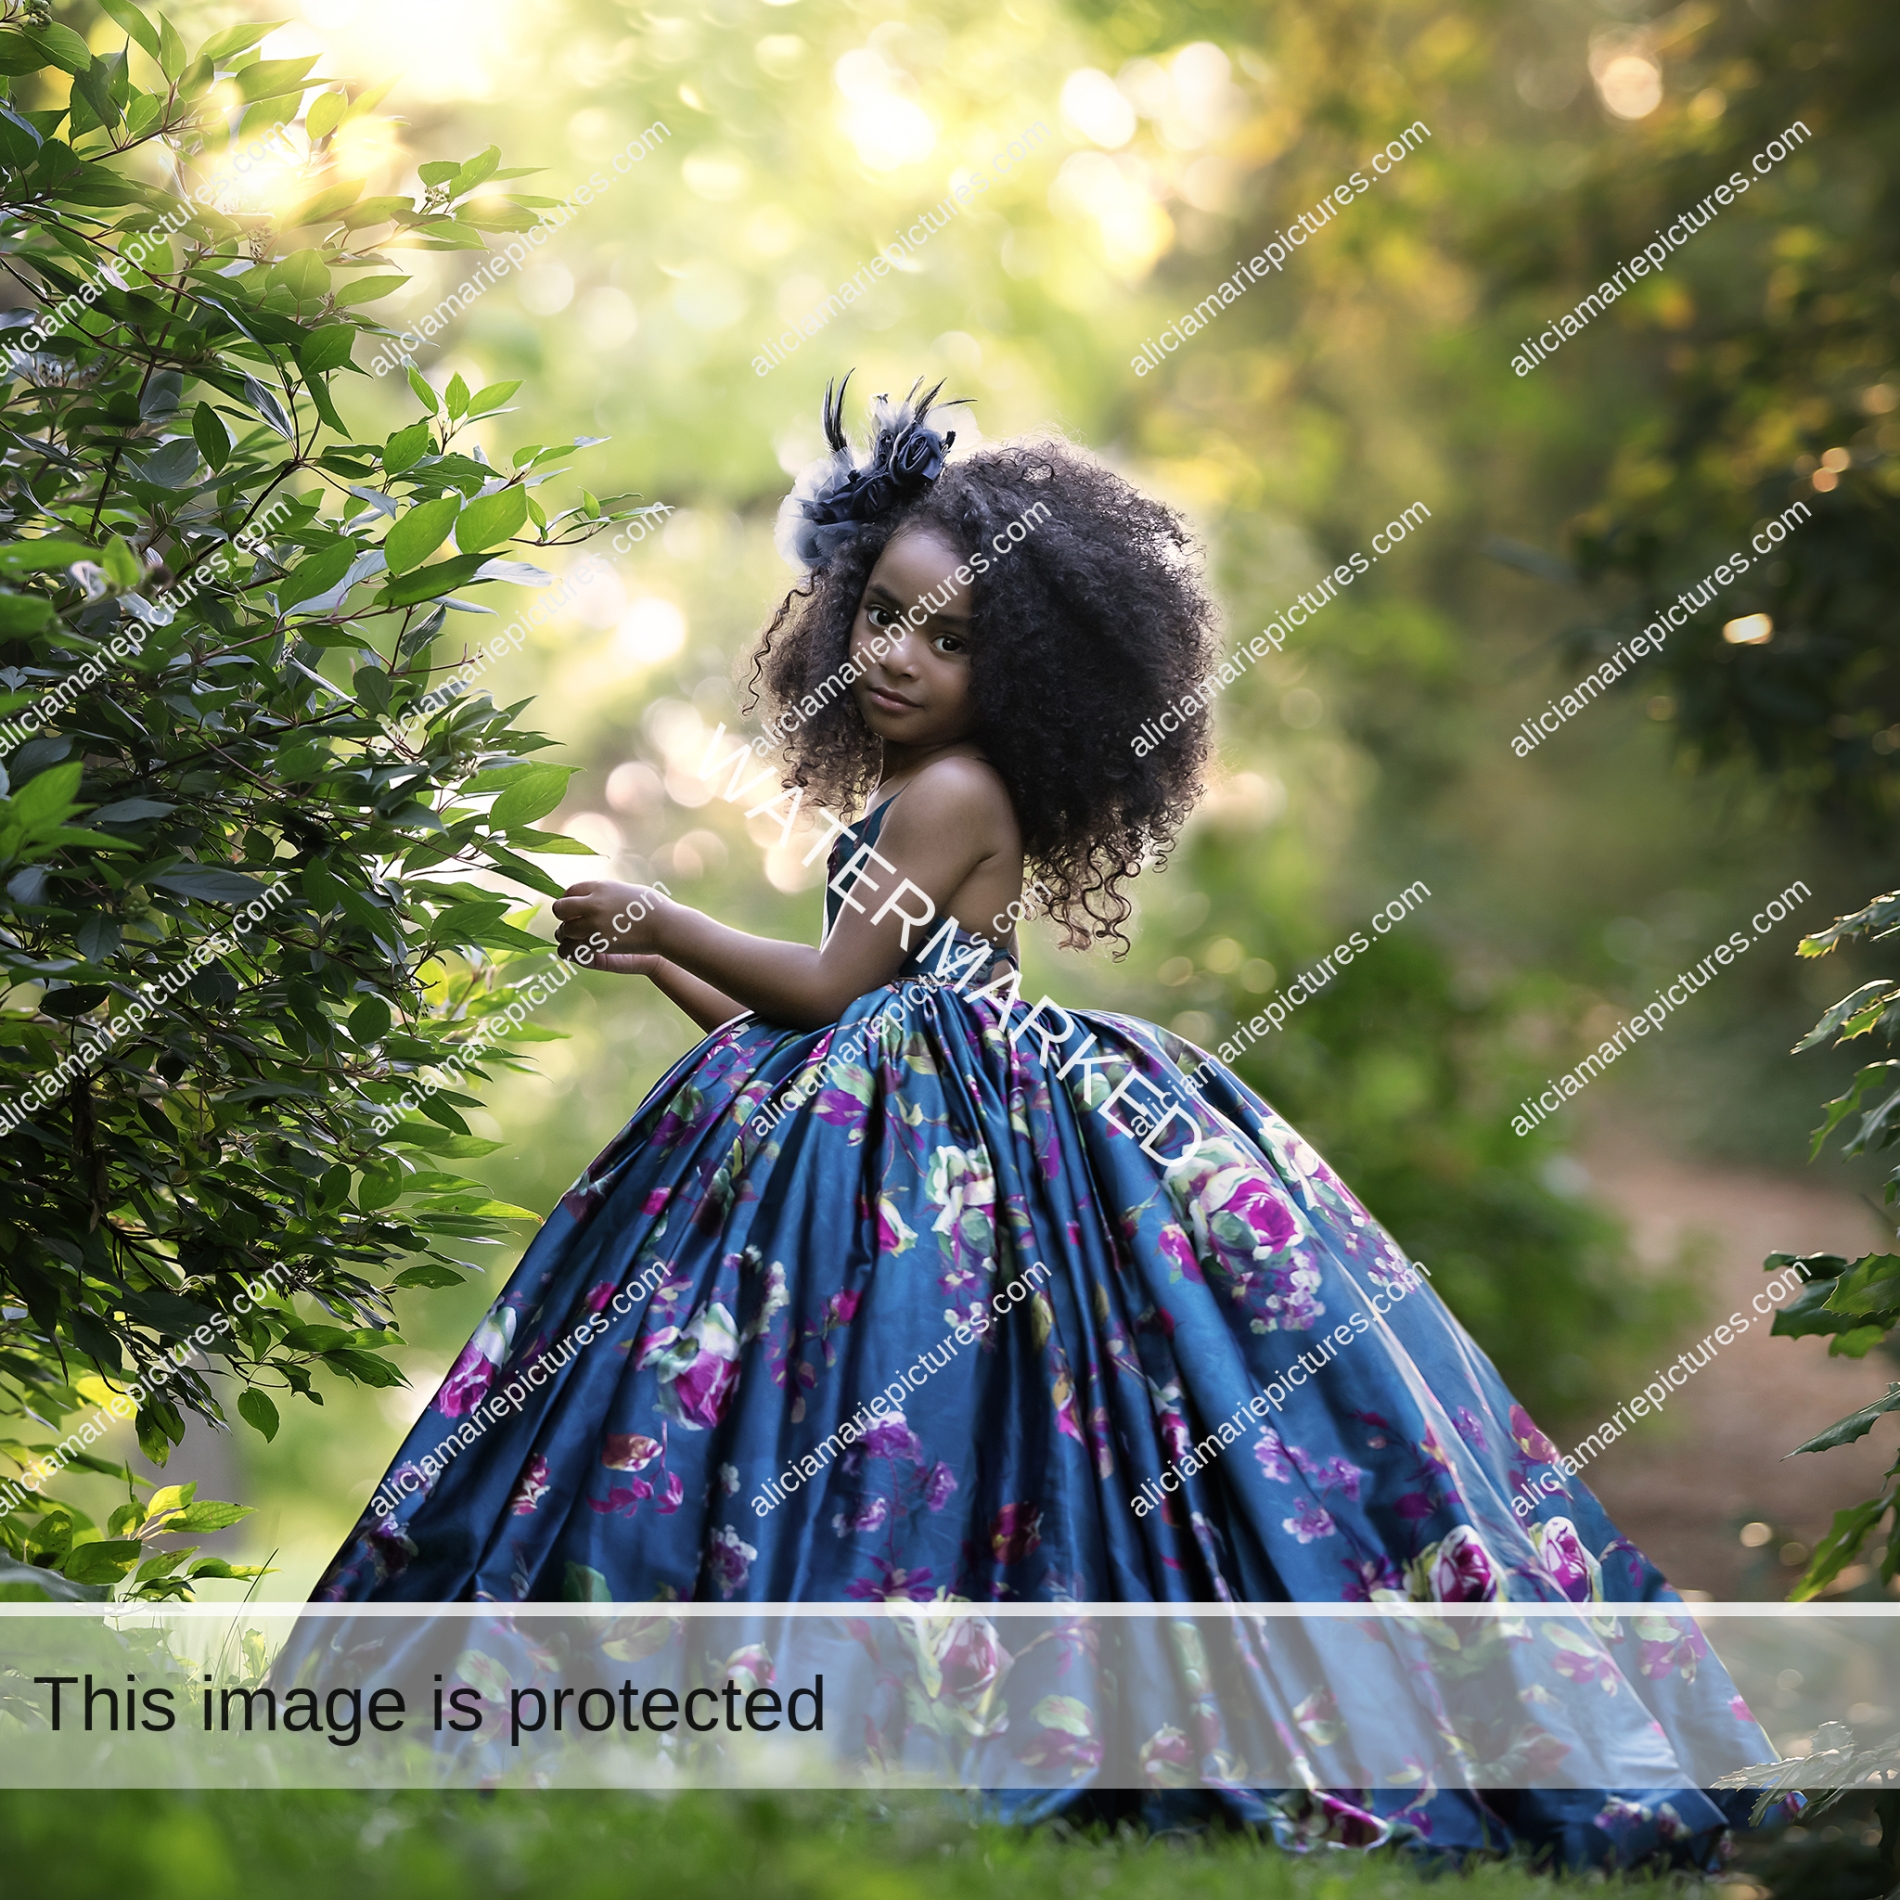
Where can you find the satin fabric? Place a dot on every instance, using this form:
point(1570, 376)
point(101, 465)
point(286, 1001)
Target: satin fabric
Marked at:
point(1044, 1279)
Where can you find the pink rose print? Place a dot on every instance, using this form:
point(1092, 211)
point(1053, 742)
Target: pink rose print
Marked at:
point(1264, 1208)
point(1461, 1569)
point(655, 1202)
point(1563, 1558)
point(474, 1370)
point(698, 1367)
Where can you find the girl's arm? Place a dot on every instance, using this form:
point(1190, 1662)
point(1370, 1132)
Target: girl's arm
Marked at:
point(708, 1007)
point(952, 818)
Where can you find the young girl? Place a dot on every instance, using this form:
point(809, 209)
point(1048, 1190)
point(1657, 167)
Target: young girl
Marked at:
point(899, 1285)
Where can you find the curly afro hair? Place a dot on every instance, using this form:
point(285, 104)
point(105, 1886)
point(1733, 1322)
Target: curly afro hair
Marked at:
point(1089, 624)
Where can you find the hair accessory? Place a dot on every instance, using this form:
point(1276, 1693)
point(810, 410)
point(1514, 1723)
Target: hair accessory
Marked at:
point(841, 491)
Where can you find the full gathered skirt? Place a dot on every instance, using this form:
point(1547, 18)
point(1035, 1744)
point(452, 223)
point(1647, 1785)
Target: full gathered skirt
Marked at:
point(934, 1302)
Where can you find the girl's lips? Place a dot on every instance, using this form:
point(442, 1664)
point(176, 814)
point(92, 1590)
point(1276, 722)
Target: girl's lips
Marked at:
point(888, 702)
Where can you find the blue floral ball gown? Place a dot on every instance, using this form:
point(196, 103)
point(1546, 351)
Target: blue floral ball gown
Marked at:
point(792, 1225)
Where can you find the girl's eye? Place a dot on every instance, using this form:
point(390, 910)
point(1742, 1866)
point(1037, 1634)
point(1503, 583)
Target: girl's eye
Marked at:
point(879, 616)
point(947, 643)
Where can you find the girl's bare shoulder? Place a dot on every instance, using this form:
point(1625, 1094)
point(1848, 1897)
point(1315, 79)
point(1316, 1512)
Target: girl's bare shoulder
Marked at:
point(964, 793)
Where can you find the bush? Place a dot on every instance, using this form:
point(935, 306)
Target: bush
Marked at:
point(255, 869)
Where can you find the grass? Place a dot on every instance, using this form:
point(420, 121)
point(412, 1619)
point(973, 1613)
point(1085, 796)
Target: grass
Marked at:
point(286, 1846)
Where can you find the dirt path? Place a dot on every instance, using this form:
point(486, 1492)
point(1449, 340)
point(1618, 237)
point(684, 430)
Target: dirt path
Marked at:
point(1716, 1461)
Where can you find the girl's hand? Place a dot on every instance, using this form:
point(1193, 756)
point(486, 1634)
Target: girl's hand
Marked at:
point(608, 919)
point(616, 962)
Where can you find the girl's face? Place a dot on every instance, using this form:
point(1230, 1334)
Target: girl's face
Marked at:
point(913, 684)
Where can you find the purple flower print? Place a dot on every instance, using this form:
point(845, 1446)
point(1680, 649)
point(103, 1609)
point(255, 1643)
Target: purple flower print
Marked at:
point(698, 1367)
point(1015, 1532)
point(939, 1487)
point(1264, 1207)
point(628, 1451)
point(622, 1500)
point(532, 1488)
point(891, 1581)
point(1530, 1441)
point(1471, 1429)
point(1374, 1580)
point(971, 1662)
point(729, 1559)
point(1178, 1251)
point(1458, 1569)
point(1309, 1522)
point(1670, 1647)
point(1167, 1759)
point(891, 1438)
point(894, 1235)
point(474, 1370)
point(1331, 1474)
point(1273, 1459)
point(1292, 1305)
point(1564, 1560)
point(868, 1514)
point(655, 1202)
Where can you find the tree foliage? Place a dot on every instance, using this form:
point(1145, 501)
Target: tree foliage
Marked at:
point(1772, 342)
point(252, 887)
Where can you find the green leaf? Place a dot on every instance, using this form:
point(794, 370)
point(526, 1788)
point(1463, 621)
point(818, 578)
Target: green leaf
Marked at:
point(210, 434)
point(1855, 1425)
point(324, 116)
point(304, 274)
point(123, 567)
point(420, 532)
point(315, 576)
point(103, 1562)
point(533, 795)
point(133, 23)
point(62, 46)
point(257, 1411)
point(456, 396)
point(238, 39)
point(1871, 1285)
point(491, 519)
point(327, 203)
point(431, 583)
point(407, 447)
point(327, 349)
point(367, 290)
point(208, 1514)
point(479, 168)
point(426, 1275)
point(492, 397)
point(22, 615)
point(369, 1021)
point(1839, 1547)
point(208, 883)
point(424, 394)
point(37, 557)
point(271, 78)
point(172, 57)
point(1853, 1015)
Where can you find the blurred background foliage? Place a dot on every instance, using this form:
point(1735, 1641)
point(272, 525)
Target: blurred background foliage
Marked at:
point(1371, 374)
